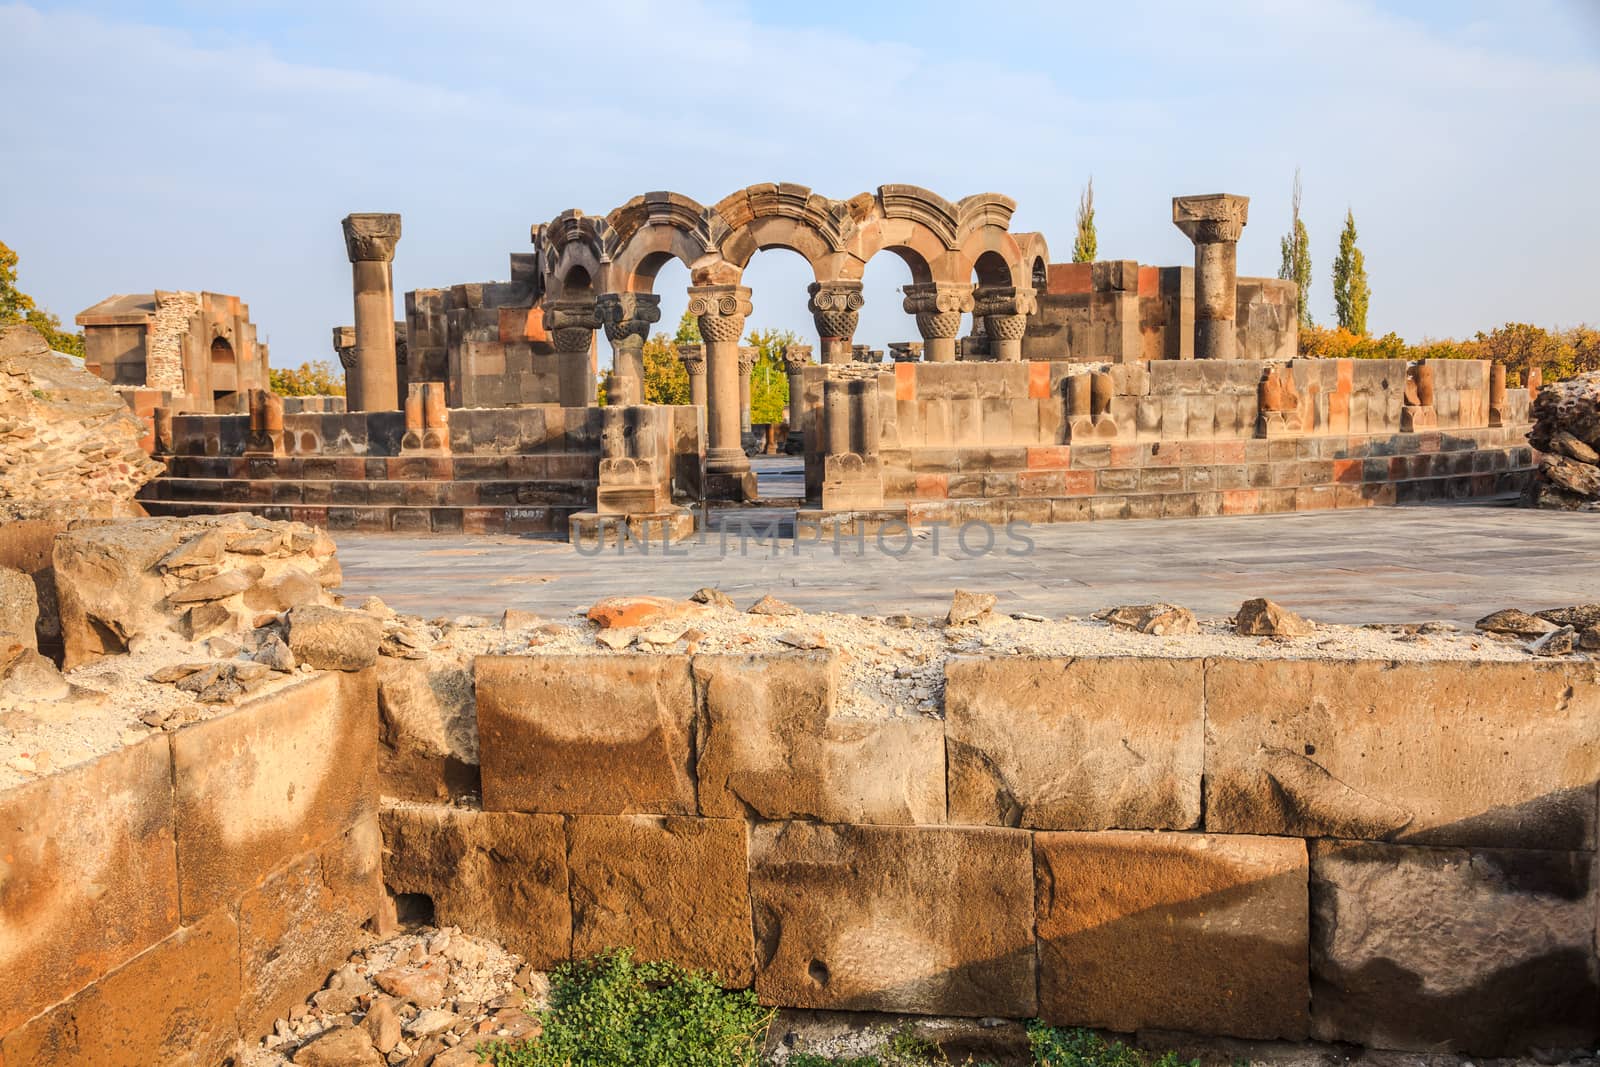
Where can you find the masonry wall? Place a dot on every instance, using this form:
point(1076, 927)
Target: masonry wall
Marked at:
point(171, 899)
point(1394, 855)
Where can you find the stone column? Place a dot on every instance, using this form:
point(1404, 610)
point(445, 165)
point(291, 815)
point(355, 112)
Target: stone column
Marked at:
point(795, 360)
point(1005, 310)
point(694, 362)
point(747, 363)
point(344, 345)
point(1214, 223)
point(627, 318)
point(836, 416)
point(370, 241)
point(571, 324)
point(720, 311)
point(938, 307)
point(836, 308)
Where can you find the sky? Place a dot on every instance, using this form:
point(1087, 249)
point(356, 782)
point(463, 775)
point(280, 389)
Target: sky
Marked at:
point(215, 145)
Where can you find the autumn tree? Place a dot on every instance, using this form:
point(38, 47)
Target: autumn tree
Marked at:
point(666, 381)
point(1085, 246)
point(769, 379)
point(1522, 346)
point(1350, 292)
point(17, 306)
point(1296, 265)
point(316, 378)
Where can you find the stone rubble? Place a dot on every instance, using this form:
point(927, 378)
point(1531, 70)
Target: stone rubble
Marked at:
point(1566, 430)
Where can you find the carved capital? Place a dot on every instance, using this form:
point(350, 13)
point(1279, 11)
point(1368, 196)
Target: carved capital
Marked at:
point(720, 310)
point(693, 358)
point(835, 307)
point(795, 357)
point(372, 237)
point(627, 317)
point(344, 344)
point(1004, 300)
point(747, 359)
point(1210, 219)
point(571, 324)
point(938, 298)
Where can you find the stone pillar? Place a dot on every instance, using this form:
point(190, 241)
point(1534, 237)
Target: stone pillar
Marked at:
point(720, 311)
point(571, 324)
point(1497, 397)
point(266, 423)
point(795, 360)
point(370, 241)
point(344, 345)
point(1214, 224)
point(747, 363)
point(694, 362)
point(627, 318)
point(161, 428)
point(836, 308)
point(1005, 310)
point(836, 416)
point(938, 307)
point(435, 418)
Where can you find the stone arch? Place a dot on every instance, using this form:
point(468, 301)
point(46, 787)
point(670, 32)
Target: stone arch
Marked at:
point(1036, 255)
point(991, 268)
point(784, 215)
point(650, 230)
point(985, 220)
point(571, 241)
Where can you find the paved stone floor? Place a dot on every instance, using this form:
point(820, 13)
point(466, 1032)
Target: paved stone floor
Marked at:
point(1452, 562)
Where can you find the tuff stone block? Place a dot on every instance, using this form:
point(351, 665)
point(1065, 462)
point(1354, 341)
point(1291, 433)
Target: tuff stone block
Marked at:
point(881, 918)
point(775, 747)
point(1074, 744)
point(1192, 932)
point(543, 749)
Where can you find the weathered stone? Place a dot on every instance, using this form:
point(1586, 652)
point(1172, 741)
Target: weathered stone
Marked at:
point(1075, 744)
point(25, 673)
point(499, 874)
point(343, 1046)
point(1589, 640)
point(428, 747)
point(617, 612)
point(715, 598)
point(287, 590)
point(88, 875)
point(774, 747)
point(1580, 479)
point(272, 652)
point(1573, 448)
point(1557, 642)
point(382, 1024)
point(1155, 619)
point(1515, 622)
point(673, 888)
point(1579, 616)
point(217, 587)
point(771, 605)
point(882, 918)
point(968, 607)
point(543, 748)
point(421, 984)
point(1491, 754)
point(171, 1005)
point(1190, 932)
point(1486, 951)
point(334, 639)
point(281, 774)
point(1263, 618)
point(204, 549)
point(19, 606)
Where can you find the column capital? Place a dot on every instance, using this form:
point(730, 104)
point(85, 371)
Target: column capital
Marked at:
point(693, 358)
point(938, 298)
point(1004, 300)
point(371, 237)
point(747, 358)
point(796, 356)
point(1210, 219)
point(627, 315)
point(570, 323)
point(720, 310)
point(344, 345)
point(835, 307)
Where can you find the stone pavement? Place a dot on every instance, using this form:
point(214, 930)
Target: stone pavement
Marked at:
point(1451, 562)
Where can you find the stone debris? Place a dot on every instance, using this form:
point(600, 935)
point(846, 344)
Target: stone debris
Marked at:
point(714, 597)
point(1515, 623)
point(1582, 616)
point(1155, 619)
point(1264, 618)
point(1555, 643)
point(968, 607)
point(771, 605)
point(1566, 430)
point(626, 611)
point(423, 999)
point(334, 639)
point(19, 607)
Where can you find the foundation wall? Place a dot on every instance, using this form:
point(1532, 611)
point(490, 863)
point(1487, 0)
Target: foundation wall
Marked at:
point(1395, 855)
point(169, 900)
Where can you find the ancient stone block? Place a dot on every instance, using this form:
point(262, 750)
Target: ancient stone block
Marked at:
point(1492, 754)
point(428, 740)
point(673, 888)
point(87, 875)
point(1192, 932)
point(495, 874)
point(774, 747)
point(1487, 951)
point(19, 606)
point(282, 774)
point(879, 918)
point(172, 1005)
point(303, 921)
point(334, 639)
point(1074, 744)
point(543, 747)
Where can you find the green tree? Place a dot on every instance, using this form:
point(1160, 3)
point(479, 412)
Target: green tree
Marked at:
point(1085, 246)
point(1350, 292)
point(1296, 265)
point(17, 306)
point(688, 330)
point(769, 379)
point(665, 379)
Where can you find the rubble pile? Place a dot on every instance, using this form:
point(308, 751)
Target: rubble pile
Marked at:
point(1566, 429)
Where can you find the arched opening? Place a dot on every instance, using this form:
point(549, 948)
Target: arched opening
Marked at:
point(883, 317)
point(224, 375)
point(1041, 274)
point(577, 282)
point(780, 316)
point(666, 379)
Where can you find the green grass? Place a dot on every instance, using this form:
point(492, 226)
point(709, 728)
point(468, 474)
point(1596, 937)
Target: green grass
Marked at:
point(611, 1011)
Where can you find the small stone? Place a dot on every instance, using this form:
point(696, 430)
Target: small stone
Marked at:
point(1154, 619)
point(616, 640)
point(800, 639)
point(376, 608)
point(343, 1046)
point(901, 622)
point(1581, 616)
point(1589, 640)
point(1555, 643)
point(1516, 623)
point(1573, 448)
point(175, 672)
point(623, 612)
point(661, 635)
point(715, 598)
point(430, 1022)
point(771, 605)
point(419, 985)
point(334, 1001)
point(224, 585)
point(1264, 618)
point(512, 619)
point(1028, 616)
point(968, 607)
point(333, 638)
point(273, 653)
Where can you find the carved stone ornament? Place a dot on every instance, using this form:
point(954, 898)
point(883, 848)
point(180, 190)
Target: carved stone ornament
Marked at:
point(371, 237)
point(1209, 219)
point(720, 310)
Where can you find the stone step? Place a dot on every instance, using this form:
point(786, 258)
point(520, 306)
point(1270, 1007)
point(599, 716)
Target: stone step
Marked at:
point(544, 522)
point(239, 492)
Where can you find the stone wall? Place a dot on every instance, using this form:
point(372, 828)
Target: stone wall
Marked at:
point(170, 899)
point(1397, 855)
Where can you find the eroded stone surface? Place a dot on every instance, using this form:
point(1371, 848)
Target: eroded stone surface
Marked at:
point(881, 918)
point(1194, 932)
point(428, 745)
point(1074, 744)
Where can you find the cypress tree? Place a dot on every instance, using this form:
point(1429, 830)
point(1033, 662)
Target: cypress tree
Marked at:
point(1296, 266)
point(1350, 292)
point(1085, 246)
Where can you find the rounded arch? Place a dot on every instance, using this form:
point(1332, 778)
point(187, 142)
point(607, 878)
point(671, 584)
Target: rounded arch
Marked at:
point(991, 268)
point(650, 230)
point(1036, 254)
point(784, 215)
point(571, 242)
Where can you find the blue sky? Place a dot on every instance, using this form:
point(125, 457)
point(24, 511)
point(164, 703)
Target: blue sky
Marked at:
point(216, 145)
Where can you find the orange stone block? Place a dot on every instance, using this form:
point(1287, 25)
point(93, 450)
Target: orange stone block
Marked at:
point(1347, 470)
point(1069, 278)
point(1241, 501)
point(1125, 455)
point(1347, 379)
point(1229, 451)
point(932, 486)
point(1038, 380)
point(626, 611)
point(1049, 456)
point(1149, 281)
point(905, 381)
point(1079, 483)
